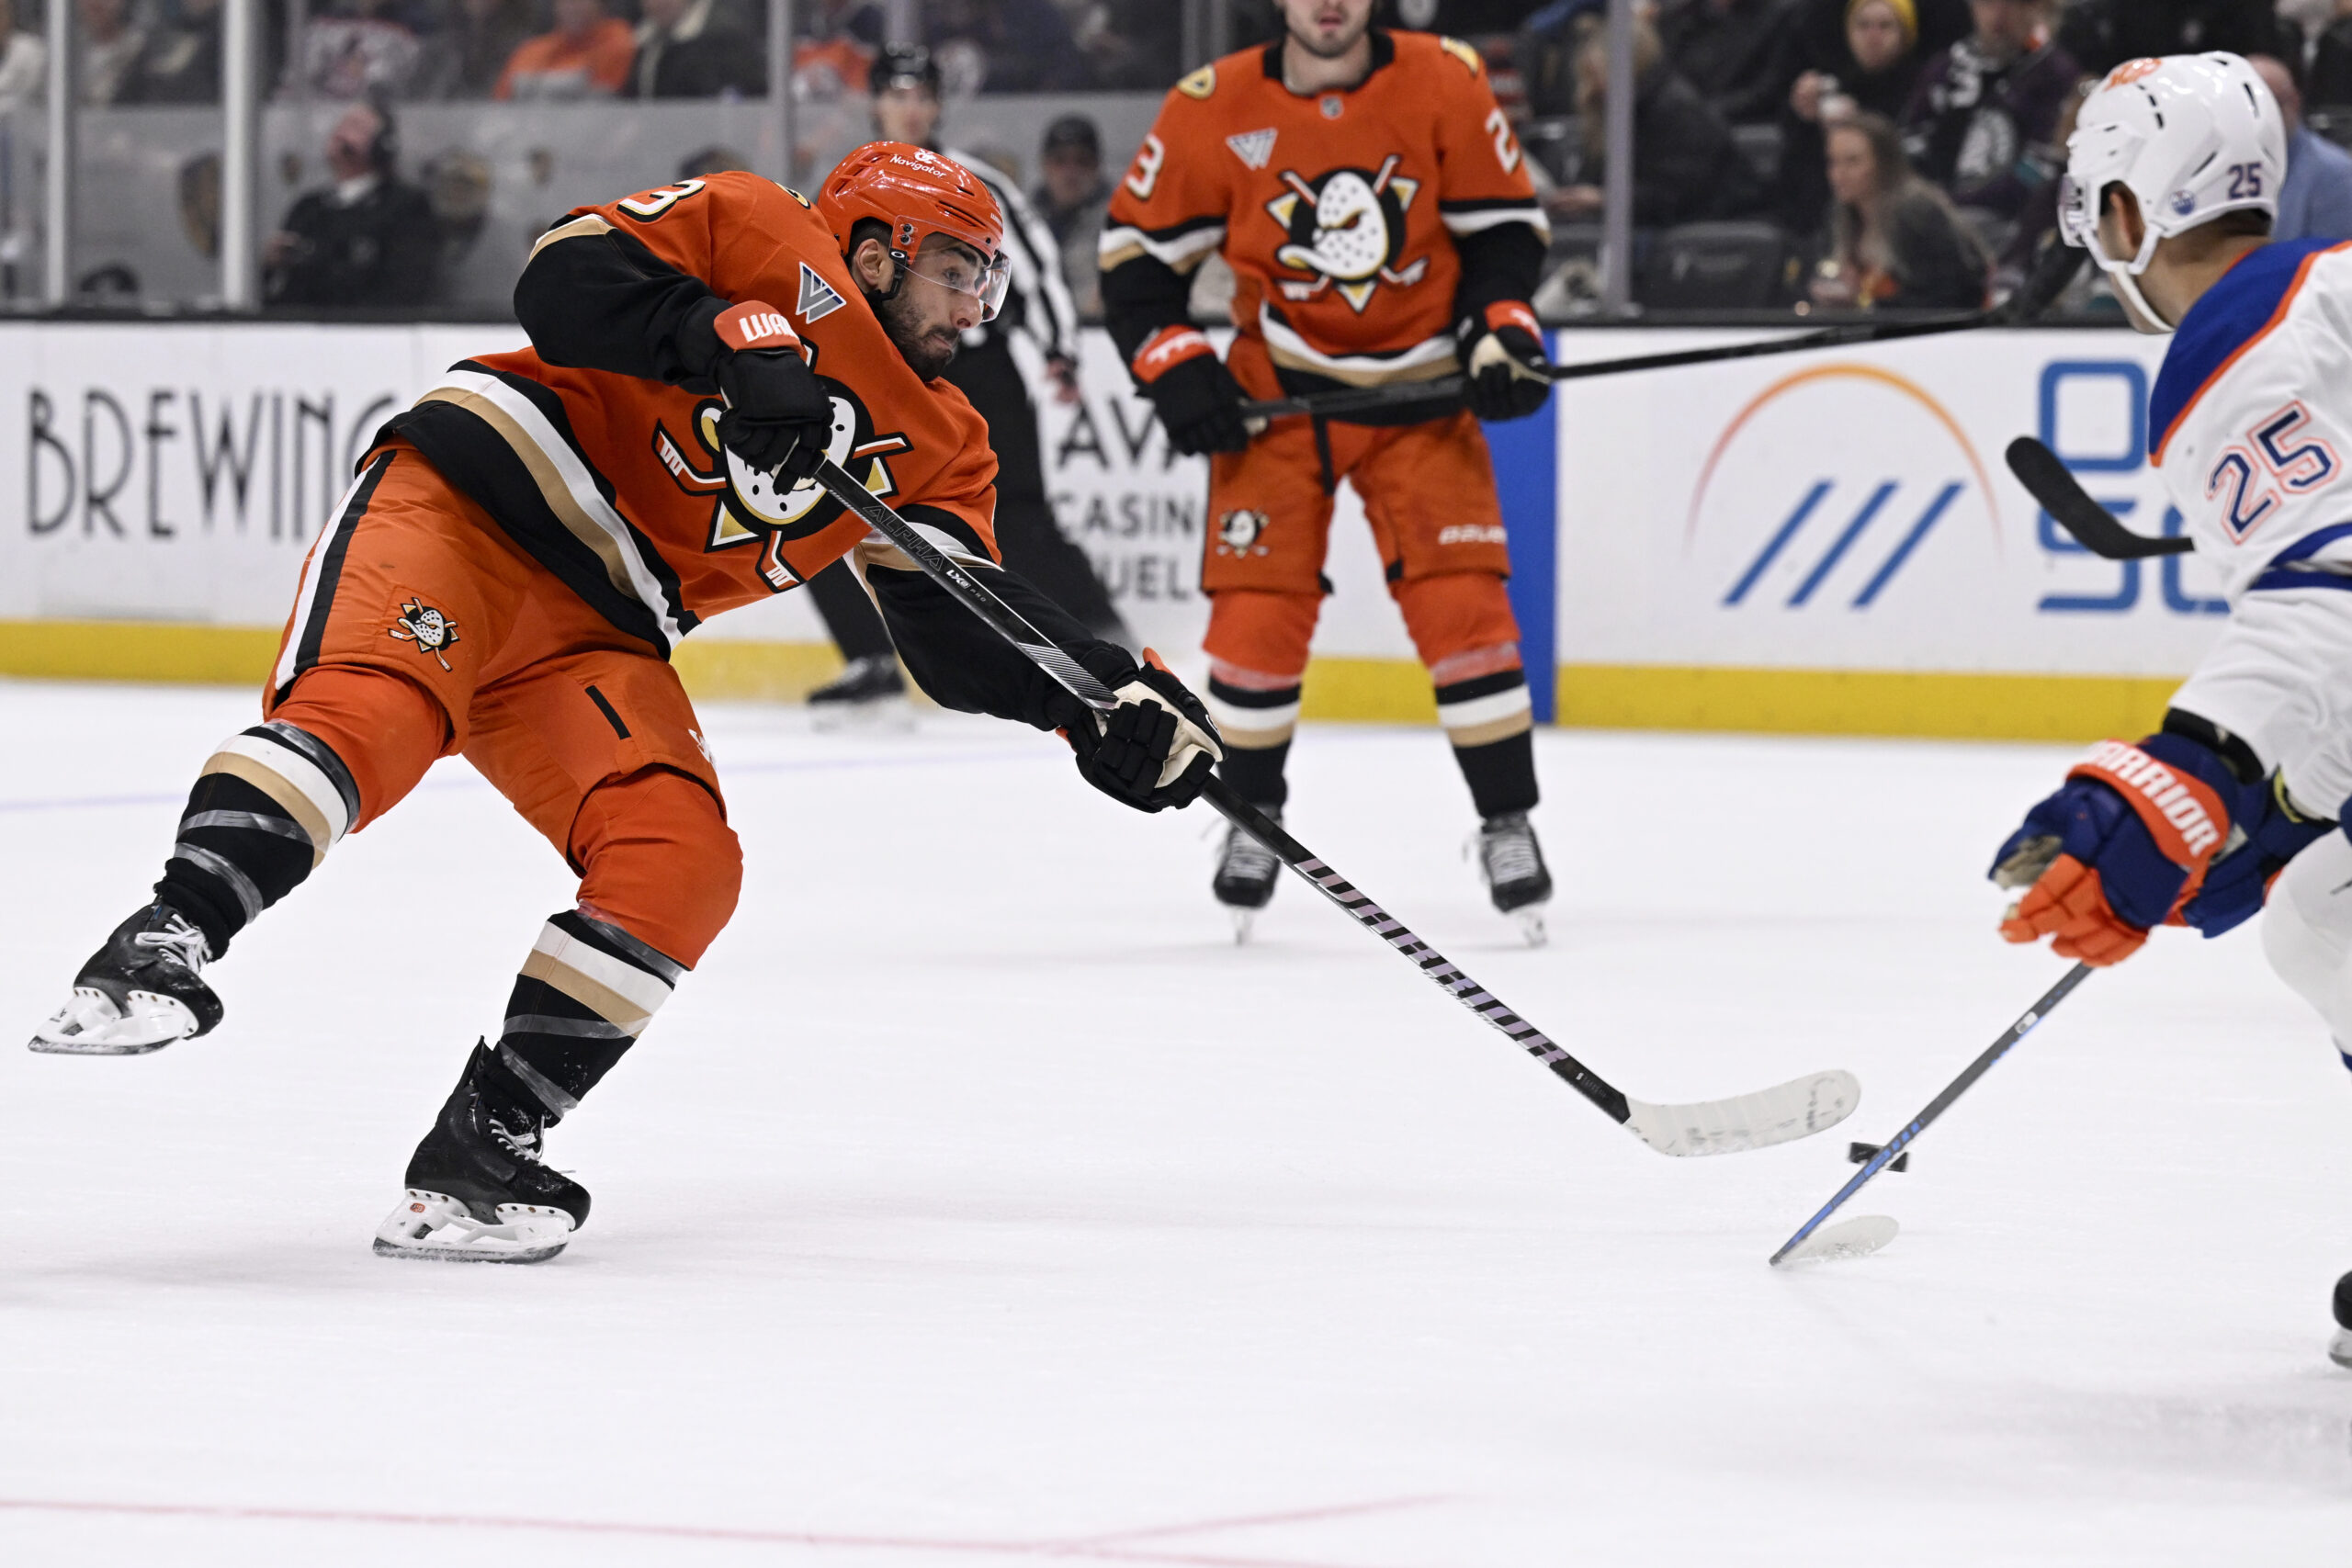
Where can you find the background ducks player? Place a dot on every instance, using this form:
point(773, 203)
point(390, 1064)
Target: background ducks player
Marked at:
point(1380, 223)
point(567, 512)
point(2171, 182)
point(905, 85)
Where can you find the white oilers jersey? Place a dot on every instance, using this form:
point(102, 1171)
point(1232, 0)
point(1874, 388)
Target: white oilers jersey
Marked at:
point(2251, 421)
point(2251, 425)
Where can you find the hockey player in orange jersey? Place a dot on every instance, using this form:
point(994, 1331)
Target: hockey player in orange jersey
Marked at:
point(1382, 229)
point(507, 575)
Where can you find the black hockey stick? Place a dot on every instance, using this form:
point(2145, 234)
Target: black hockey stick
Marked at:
point(2096, 529)
point(1792, 1109)
point(2049, 277)
point(1856, 1237)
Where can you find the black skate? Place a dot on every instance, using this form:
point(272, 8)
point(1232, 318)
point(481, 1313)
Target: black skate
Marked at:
point(2339, 1350)
point(1245, 871)
point(870, 691)
point(138, 993)
point(1513, 863)
point(477, 1190)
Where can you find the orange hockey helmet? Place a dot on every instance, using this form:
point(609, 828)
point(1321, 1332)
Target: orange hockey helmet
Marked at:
point(918, 193)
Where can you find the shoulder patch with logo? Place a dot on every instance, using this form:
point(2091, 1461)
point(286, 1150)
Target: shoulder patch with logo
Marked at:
point(1200, 83)
point(818, 299)
point(1462, 51)
point(1254, 148)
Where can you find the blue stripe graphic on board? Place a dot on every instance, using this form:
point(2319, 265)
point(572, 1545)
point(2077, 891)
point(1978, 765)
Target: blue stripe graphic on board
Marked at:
point(1527, 466)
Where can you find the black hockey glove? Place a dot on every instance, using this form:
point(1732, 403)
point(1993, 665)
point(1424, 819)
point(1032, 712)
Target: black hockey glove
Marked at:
point(1198, 399)
point(1509, 371)
point(1155, 749)
point(777, 417)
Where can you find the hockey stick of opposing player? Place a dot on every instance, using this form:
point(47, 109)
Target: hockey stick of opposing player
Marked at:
point(2096, 529)
point(2050, 279)
point(1856, 1237)
point(1792, 1109)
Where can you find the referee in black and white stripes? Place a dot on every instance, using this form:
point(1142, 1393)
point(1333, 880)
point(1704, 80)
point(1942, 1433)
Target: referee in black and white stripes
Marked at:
point(905, 85)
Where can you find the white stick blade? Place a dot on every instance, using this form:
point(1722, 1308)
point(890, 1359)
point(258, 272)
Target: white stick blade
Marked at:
point(1797, 1109)
point(1848, 1238)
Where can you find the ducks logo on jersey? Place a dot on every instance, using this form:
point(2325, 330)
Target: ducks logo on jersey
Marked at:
point(748, 506)
point(1347, 228)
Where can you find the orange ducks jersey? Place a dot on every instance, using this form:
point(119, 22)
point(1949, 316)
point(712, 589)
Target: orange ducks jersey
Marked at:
point(614, 478)
point(1338, 211)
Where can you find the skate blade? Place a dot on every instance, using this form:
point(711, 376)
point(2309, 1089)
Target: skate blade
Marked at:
point(435, 1227)
point(2339, 1350)
point(1530, 920)
point(1849, 1238)
point(1242, 921)
point(90, 1025)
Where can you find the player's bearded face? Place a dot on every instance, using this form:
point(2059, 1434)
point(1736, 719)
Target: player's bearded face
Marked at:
point(925, 319)
point(1326, 28)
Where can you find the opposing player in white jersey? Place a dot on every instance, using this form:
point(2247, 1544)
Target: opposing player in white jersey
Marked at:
point(2172, 183)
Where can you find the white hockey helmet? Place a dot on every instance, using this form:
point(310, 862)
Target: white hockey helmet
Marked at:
point(2190, 136)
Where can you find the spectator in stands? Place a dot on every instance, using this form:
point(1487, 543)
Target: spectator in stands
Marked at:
point(2102, 34)
point(1980, 122)
point(587, 56)
point(1740, 54)
point(1873, 70)
point(690, 48)
point(1894, 241)
point(368, 239)
point(465, 58)
point(2330, 78)
point(1687, 169)
point(23, 63)
point(1072, 198)
point(355, 49)
point(1026, 43)
point(2315, 200)
point(1132, 43)
point(109, 47)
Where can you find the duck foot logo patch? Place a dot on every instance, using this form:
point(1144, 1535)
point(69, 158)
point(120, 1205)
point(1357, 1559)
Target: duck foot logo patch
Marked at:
point(428, 628)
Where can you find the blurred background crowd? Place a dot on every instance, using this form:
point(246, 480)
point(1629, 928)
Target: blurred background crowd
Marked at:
point(1789, 155)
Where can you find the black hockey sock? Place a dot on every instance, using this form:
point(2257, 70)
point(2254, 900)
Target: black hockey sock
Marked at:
point(1502, 775)
point(585, 994)
point(1257, 775)
point(1490, 720)
point(1256, 726)
point(269, 805)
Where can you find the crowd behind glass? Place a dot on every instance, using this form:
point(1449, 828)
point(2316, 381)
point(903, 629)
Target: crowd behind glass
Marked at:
point(1803, 155)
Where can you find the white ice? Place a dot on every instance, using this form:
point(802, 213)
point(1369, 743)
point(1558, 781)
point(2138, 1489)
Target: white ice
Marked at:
point(978, 1202)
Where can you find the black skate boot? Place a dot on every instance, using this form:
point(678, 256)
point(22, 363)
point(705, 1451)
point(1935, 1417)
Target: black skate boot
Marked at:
point(2339, 1350)
point(477, 1190)
point(870, 688)
point(1513, 863)
point(1245, 872)
point(138, 993)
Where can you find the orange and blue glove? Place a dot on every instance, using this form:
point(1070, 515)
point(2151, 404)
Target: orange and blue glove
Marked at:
point(2124, 846)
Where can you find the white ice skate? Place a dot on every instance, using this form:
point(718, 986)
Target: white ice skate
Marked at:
point(437, 1226)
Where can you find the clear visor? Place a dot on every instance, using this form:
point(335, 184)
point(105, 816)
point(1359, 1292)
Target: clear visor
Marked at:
point(960, 272)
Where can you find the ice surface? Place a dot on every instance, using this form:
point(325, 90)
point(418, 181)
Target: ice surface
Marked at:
point(978, 1201)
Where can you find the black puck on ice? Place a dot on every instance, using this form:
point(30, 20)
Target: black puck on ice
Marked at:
point(2344, 1303)
point(1861, 1154)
